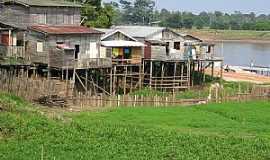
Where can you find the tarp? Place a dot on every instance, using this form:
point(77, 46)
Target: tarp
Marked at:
point(122, 44)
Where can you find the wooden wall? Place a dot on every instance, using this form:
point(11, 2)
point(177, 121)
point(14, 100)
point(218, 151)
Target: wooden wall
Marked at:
point(15, 14)
point(55, 16)
point(136, 55)
point(84, 40)
point(24, 16)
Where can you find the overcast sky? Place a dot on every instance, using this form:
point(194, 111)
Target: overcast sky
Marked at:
point(245, 6)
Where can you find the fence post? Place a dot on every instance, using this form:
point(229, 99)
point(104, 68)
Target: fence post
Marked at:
point(135, 100)
point(118, 100)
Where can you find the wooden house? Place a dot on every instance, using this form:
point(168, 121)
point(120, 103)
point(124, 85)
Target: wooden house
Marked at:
point(17, 15)
point(121, 47)
point(161, 43)
point(65, 46)
point(25, 13)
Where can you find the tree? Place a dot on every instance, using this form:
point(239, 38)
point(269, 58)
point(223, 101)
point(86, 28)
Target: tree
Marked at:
point(143, 11)
point(94, 15)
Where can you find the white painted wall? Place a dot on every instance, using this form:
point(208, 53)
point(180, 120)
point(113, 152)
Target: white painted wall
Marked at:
point(93, 50)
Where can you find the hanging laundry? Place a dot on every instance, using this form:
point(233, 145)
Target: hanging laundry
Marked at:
point(115, 52)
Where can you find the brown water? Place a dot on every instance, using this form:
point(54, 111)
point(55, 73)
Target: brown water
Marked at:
point(243, 54)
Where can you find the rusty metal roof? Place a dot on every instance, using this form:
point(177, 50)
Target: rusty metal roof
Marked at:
point(64, 29)
point(43, 3)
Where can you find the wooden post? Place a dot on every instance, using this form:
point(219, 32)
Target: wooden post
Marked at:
point(86, 79)
point(162, 73)
point(174, 74)
point(188, 74)
point(142, 75)
point(118, 100)
point(62, 74)
point(111, 81)
point(114, 80)
point(67, 85)
point(221, 71)
point(131, 79)
point(182, 73)
point(151, 73)
point(9, 38)
point(125, 80)
point(212, 70)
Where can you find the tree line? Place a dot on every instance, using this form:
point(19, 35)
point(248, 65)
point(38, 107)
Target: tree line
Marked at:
point(143, 12)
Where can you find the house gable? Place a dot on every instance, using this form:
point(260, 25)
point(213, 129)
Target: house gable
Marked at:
point(116, 36)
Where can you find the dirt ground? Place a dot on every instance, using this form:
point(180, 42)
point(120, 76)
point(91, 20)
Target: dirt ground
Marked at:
point(242, 76)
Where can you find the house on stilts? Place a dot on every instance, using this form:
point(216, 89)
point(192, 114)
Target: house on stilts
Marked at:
point(49, 39)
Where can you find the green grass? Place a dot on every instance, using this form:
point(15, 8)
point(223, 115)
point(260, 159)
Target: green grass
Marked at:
point(225, 131)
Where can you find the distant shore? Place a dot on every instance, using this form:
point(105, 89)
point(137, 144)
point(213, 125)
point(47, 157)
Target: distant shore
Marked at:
point(239, 36)
point(238, 41)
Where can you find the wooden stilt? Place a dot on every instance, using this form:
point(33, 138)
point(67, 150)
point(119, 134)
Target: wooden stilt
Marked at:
point(111, 81)
point(174, 74)
point(114, 80)
point(162, 72)
point(86, 77)
point(221, 71)
point(151, 73)
point(125, 80)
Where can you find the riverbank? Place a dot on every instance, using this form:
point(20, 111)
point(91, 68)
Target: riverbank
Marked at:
point(211, 35)
point(242, 76)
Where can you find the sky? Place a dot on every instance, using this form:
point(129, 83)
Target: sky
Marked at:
point(196, 6)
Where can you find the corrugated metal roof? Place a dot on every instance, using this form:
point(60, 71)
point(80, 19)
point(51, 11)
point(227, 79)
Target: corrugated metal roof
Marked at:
point(140, 31)
point(64, 29)
point(44, 3)
point(10, 25)
point(122, 44)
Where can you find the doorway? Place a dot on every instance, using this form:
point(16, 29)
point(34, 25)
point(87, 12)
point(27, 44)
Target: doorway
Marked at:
point(77, 51)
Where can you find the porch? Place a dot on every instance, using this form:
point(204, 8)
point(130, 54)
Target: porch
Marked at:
point(12, 41)
point(123, 52)
point(65, 59)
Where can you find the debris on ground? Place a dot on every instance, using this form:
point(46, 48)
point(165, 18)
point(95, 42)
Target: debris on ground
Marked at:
point(53, 101)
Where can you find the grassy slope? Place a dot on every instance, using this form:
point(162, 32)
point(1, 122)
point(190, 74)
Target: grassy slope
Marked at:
point(210, 34)
point(228, 131)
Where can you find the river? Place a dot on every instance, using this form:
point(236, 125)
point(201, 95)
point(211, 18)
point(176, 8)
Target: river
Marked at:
point(243, 54)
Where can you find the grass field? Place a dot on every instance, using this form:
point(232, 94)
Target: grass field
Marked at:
point(226, 131)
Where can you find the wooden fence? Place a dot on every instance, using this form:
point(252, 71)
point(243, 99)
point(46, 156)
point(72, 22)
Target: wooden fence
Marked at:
point(33, 88)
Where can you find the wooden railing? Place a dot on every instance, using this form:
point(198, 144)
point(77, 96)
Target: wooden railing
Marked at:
point(93, 63)
point(59, 59)
point(13, 51)
point(127, 61)
point(82, 64)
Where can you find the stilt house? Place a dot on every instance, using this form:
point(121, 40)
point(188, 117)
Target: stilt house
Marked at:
point(36, 29)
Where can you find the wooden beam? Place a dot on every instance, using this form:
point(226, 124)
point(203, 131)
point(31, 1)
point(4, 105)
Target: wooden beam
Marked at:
point(81, 82)
point(151, 73)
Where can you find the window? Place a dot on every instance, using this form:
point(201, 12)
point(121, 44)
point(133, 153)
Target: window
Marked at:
point(177, 45)
point(39, 46)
